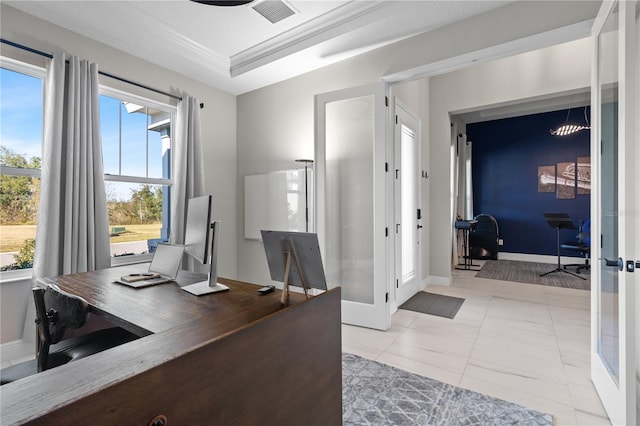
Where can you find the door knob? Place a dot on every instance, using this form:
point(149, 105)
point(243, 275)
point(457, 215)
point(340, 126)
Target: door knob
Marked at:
point(619, 263)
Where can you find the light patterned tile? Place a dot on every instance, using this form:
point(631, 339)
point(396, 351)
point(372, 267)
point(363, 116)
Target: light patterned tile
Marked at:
point(526, 383)
point(547, 365)
point(591, 420)
point(446, 328)
point(517, 337)
point(423, 369)
point(586, 400)
point(563, 315)
point(580, 300)
point(523, 292)
point(369, 340)
point(511, 310)
point(435, 343)
point(403, 318)
point(562, 414)
point(447, 361)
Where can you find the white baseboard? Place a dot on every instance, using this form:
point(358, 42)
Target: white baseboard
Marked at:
point(15, 349)
point(539, 258)
point(436, 280)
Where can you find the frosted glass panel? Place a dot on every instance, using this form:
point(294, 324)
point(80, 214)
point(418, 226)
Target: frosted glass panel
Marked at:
point(409, 207)
point(349, 197)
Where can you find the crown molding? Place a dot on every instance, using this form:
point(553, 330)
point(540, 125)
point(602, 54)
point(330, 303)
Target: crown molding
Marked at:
point(179, 45)
point(331, 24)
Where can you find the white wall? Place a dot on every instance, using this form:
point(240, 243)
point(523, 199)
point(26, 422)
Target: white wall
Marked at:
point(218, 130)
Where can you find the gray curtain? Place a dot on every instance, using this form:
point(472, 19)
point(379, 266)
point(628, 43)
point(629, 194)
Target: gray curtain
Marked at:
point(188, 171)
point(73, 224)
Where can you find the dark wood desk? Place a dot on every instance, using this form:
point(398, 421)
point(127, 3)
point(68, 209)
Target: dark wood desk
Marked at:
point(227, 358)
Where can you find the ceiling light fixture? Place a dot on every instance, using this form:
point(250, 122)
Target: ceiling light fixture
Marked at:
point(568, 129)
point(223, 2)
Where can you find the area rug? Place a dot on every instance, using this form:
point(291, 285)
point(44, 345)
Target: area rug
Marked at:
point(433, 304)
point(529, 272)
point(377, 394)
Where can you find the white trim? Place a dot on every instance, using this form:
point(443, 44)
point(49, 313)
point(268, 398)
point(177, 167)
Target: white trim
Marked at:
point(23, 68)
point(136, 179)
point(435, 280)
point(15, 349)
point(337, 21)
point(122, 95)
point(511, 48)
point(539, 258)
point(16, 275)
point(20, 171)
point(130, 260)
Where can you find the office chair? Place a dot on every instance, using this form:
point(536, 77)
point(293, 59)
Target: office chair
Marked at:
point(57, 311)
point(582, 244)
point(483, 238)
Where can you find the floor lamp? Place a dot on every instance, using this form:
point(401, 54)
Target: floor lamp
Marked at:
point(306, 191)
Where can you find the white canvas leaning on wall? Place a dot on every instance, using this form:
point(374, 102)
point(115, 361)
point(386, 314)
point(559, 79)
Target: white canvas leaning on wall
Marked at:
point(276, 201)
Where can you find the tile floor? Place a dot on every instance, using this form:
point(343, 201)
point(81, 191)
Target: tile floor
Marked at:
point(523, 343)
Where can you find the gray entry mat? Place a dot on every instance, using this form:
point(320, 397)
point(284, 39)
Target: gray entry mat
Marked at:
point(433, 304)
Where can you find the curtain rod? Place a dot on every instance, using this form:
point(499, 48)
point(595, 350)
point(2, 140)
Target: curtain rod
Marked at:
point(133, 83)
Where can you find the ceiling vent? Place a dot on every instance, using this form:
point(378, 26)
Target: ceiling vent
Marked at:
point(274, 10)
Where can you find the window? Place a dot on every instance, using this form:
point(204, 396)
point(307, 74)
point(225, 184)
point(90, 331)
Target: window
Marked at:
point(136, 150)
point(137, 163)
point(20, 153)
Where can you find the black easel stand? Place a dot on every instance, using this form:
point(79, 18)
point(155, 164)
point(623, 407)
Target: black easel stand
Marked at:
point(466, 226)
point(560, 221)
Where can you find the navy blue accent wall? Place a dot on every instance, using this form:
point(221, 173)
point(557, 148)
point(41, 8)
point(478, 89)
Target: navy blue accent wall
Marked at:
point(506, 156)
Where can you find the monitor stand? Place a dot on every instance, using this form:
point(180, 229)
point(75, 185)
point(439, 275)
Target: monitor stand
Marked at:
point(203, 287)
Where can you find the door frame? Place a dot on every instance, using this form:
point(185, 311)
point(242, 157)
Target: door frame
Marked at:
point(619, 399)
point(376, 315)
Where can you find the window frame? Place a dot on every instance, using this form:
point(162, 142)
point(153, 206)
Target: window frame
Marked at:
point(109, 177)
point(41, 73)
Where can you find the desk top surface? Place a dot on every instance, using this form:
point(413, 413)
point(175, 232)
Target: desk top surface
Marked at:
point(161, 307)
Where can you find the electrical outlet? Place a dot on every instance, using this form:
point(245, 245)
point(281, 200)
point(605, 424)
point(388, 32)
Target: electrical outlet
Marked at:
point(500, 242)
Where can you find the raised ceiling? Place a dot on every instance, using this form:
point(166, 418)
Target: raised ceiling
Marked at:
point(236, 48)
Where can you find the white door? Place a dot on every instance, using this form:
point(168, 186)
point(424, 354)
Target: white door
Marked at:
point(615, 178)
point(408, 211)
point(351, 159)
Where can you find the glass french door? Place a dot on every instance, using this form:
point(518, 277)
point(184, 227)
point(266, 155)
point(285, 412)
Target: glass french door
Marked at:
point(351, 203)
point(615, 177)
point(408, 213)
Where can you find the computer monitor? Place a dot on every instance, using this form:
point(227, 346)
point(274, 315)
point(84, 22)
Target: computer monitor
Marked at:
point(201, 241)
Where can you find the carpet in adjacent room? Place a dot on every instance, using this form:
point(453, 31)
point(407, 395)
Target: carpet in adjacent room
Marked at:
point(378, 394)
point(529, 272)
